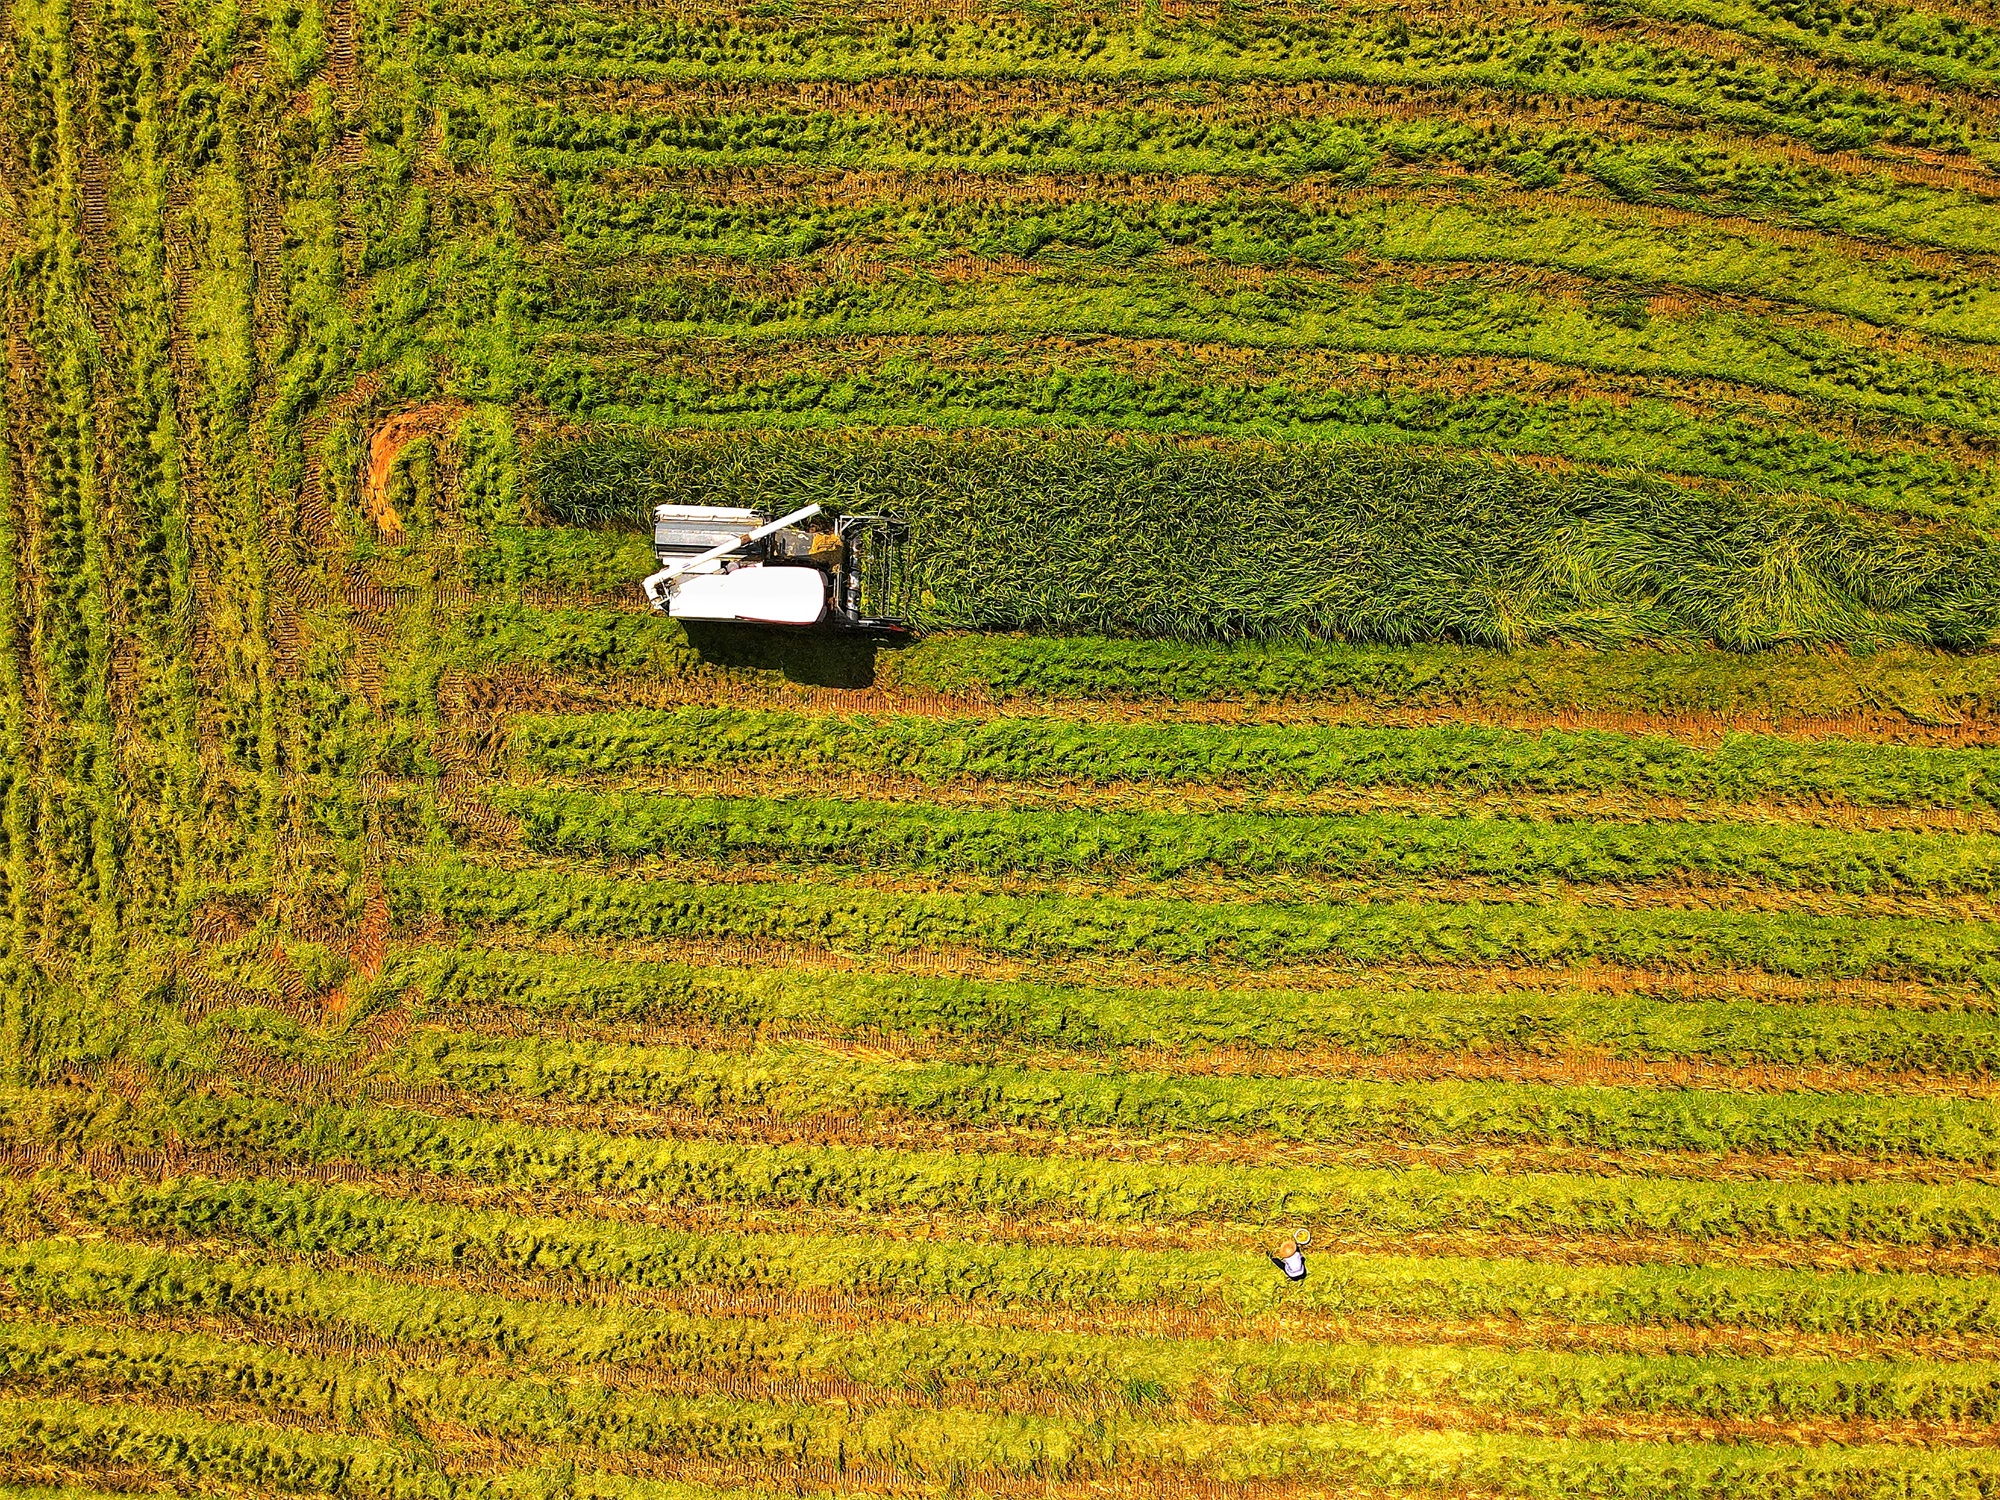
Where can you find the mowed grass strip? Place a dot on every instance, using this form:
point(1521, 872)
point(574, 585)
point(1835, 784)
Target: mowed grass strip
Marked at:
point(322, 1222)
point(920, 1442)
point(906, 1361)
point(1371, 1020)
point(1248, 846)
point(1248, 935)
point(869, 1179)
point(800, 1081)
point(1047, 750)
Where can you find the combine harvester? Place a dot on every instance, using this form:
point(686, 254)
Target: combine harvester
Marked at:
point(725, 564)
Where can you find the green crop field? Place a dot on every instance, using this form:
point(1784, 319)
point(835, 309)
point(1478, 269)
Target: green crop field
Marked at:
point(1452, 708)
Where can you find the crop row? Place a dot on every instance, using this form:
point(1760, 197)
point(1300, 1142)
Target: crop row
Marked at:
point(1269, 229)
point(1355, 140)
point(1054, 751)
point(1383, 848)
point(867, 1179)
point(1296, 320)
point(1486, 403)
point(575, 642)
point(1751, 96)
point(568, 1254)
point(551, 556)
point(1111, 241)
point(38, 1431)
point(1374, 1021)
point(1475, 310)
point(863, 920)
point(996, 1363)
point(797, 1081)
point(1892, 40)
point(919, 1442)
point(1921, 688)
point(1918, 689)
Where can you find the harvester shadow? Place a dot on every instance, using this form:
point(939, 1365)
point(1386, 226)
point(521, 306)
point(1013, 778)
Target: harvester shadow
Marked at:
point(836, 661)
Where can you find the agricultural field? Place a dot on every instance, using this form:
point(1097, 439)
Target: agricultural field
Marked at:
point(1453, 707)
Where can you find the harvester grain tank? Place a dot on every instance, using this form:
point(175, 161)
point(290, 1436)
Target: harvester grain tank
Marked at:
point(729, 564)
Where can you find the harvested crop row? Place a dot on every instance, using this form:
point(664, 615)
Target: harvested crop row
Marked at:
point(1201, 935)
point(1252, 227)
point(913, 1360)
point(1589, 416)
point(428, 1239)
point(1745, 768)
point(1373, 1020)
point(872, 1179)
point(1162, 846)
point(39, 1431)
point(1891, 692)
point(1744, 95)
point(1920, 689)
point(916, 1442)
point(1500, 313)
point(798, 1082)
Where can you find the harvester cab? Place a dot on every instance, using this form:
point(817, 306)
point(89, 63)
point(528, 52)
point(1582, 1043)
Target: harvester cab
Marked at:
point(804, 569)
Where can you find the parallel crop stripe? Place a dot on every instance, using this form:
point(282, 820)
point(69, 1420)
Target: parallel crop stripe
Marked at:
point(1160, 846)
point(925, 1443)
point(1937, 383)
point(1921, 688)
point(870, 1179)
point(1040, 749)
point(858, 919)
point(1370, 1020)
point(1768, 102)
point(580, 643)
point(429, 1239)
point(901, 1357)
point(1612, 239)
point(801, 1081)
point(41, 1430)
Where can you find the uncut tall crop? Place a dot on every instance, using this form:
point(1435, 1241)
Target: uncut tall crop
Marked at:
point(1153, 538)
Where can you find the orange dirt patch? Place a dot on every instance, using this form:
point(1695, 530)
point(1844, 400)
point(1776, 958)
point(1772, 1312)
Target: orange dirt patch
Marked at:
point(386, 444)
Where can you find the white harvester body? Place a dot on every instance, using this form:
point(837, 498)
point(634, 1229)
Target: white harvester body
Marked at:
point(725, 563)
point(755, 595)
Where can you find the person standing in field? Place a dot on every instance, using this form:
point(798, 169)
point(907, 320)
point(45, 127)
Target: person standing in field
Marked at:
point(1291, 1259)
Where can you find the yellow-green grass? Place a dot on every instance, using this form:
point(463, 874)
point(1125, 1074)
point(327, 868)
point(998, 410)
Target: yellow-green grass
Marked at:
point(1386, 1018)
point(558, 1256)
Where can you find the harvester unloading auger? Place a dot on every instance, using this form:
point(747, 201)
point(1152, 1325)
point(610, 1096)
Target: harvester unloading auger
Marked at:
point(723, 563)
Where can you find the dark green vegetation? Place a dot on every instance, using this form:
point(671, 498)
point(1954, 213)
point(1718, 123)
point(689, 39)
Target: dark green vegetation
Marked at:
point(1074, 534)
point(1482, 745)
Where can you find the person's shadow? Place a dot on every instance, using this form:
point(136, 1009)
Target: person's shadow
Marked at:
point(813, 658)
